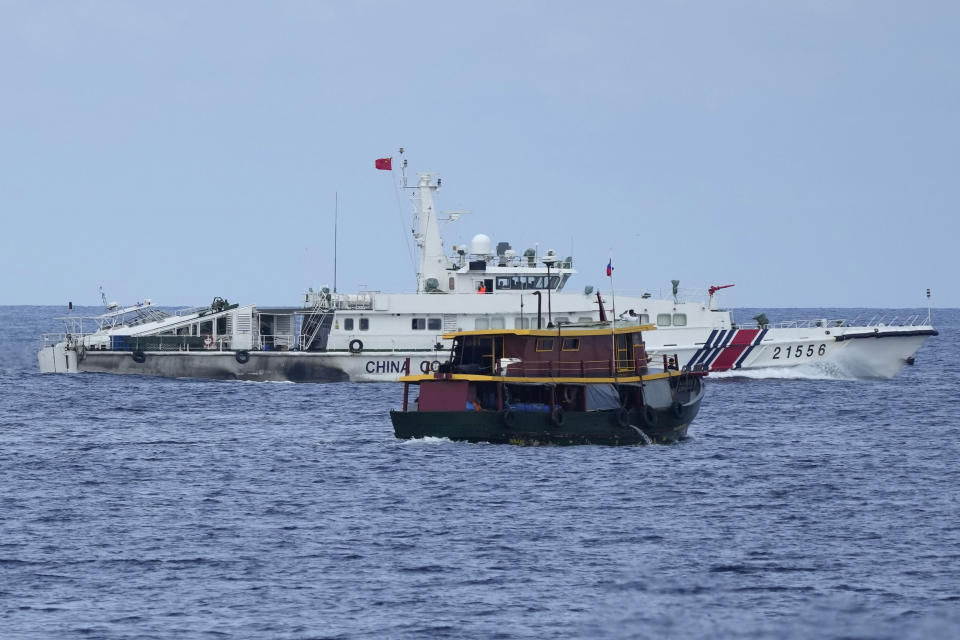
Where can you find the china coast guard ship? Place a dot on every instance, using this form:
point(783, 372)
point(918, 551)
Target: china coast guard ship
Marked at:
point(374, 337)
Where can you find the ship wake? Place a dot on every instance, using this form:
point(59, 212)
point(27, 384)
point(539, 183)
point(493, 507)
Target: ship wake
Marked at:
point(812, 371)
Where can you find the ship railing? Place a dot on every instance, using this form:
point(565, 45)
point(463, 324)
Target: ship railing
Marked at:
point(277, 342)
point(337, 301)
point(571, 368)
point(684, 294)
point(161, 343)
point(191, 310)
point(914, 320)
point(51, 339)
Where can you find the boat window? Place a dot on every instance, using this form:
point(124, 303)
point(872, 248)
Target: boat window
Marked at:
point(206, 327)
point(364, 324)
point(348, 324)
point(644, 318)
point(679, 319)
point(503, 282)
point(497, 322)
point(193, 330)
point(221, 325)
point(434, 324)
point(544, 344)
point(663, 319)
point(418, 324)
point(521, 323)
point(562, 321)
point(452, 283)
point(481, 324)
point(570, 344)
point(583, 319)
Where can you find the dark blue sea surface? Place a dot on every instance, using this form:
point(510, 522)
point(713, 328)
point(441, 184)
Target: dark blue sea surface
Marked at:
point(798, 508)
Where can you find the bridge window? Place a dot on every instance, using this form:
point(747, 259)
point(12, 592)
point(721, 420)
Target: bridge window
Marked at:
point(348, 324)
point(418, 324)
point(570, 344)
point(434, 324)
point(521, 323)
point(497, 322)
point(364, 324)
point(544, 344)
point(582, 319)
point(679, 319)
point(663, 319)
point(503, 282)
point(481, 324)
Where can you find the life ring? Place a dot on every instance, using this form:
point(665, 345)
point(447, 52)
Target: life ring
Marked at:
point(435, 366)
point(558, 417)
point(623, 417)
point(509, 418)
point(649, 415)
point(139, 357)
point(208, 341)
point(356, 346)
point(243, 357)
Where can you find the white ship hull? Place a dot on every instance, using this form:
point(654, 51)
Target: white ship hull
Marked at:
point(879, 352)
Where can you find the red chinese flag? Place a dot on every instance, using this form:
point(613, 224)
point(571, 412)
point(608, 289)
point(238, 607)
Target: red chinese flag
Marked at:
point(384, 164)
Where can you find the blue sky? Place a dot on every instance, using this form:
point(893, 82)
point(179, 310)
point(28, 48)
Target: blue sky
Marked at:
point(807, 152)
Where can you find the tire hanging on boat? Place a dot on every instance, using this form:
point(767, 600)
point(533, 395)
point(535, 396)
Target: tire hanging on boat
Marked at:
point(649, 415)
point(509, 418)
point(558, 417)
point(678, 409)
point(356, 346)
point(623, 417)
point(243, 357)
point(139, 357)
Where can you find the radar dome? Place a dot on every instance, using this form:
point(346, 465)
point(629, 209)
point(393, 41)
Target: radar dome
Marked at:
point(480, 245)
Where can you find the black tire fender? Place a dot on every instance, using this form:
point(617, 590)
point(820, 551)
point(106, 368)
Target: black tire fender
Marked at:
point(649, 416)
point(623, 417)
point(356, 346)
point(558, 417)
point(509, 418)
point(243, 357)
point(139, 357)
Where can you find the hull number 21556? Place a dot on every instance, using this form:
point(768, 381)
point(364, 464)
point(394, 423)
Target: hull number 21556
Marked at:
point(799, 351)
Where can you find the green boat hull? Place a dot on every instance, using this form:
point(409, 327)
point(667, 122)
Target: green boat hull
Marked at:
point(612, 427)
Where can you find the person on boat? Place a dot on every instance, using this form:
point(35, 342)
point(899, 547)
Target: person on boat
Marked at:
point(482, 288)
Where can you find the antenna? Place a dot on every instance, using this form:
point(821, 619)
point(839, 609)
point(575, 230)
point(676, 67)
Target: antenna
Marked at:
point(336, 207)
point(403, 168)
point(103, 297)
point(928, 305)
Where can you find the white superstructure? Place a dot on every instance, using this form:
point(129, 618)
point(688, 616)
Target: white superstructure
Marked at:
point(374, 336)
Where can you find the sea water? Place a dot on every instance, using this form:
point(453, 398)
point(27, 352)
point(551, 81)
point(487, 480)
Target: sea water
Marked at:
point(803, 505)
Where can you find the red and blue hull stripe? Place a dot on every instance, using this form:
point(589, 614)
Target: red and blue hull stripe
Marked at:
point(725, 349)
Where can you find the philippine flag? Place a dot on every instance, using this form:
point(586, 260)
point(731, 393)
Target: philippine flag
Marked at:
point(610, 267)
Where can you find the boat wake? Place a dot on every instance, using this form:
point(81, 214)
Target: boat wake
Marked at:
point(428, 440)
point(819, 371)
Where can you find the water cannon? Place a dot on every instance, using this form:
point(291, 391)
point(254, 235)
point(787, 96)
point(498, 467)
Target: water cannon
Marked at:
point(713, 289)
